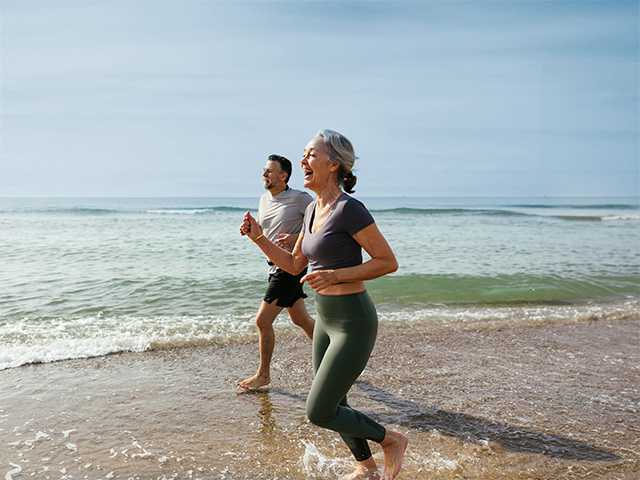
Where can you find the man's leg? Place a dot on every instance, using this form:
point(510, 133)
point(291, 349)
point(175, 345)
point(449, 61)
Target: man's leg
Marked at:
point(300, 317)
point(267, 313)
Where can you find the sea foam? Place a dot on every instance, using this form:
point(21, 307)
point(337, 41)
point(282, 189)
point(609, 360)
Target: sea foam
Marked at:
point(30, 341)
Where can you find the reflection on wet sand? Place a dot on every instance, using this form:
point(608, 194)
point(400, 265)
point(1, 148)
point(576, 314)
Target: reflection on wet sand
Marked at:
point(268, 425)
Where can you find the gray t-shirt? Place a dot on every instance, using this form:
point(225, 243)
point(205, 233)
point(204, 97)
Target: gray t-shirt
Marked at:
point(282, 213)
point(332, 245)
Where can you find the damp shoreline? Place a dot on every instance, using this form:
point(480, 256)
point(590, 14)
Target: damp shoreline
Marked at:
point(549, 399)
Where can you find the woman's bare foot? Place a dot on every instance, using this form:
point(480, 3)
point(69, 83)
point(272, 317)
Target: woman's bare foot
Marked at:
point(253, 383)
point(393, 446)
point(366, 470)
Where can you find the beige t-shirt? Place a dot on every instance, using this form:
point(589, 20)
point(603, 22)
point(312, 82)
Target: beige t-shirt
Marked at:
point(283, 213)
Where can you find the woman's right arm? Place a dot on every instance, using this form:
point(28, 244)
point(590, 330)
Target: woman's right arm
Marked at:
point(291, 262)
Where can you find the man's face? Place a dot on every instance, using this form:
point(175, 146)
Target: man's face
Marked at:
point(273, 176)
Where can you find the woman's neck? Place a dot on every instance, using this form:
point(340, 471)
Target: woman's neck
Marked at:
point(327, 195)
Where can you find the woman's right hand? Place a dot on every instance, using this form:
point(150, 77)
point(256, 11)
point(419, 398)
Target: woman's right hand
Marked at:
point(250, 227)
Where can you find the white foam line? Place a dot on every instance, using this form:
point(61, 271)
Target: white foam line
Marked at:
point(15, 471)
point(39, 436)
point(621, 217)
point(143, 454)
point(156, 333)
point(500, 313)
point(144, 334)
point(193, 211)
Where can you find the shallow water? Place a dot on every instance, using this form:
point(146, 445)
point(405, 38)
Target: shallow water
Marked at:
point(87, 277)
point(486, 400)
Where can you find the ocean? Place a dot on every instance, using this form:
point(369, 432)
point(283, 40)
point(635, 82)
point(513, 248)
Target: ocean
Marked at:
point(86, 277)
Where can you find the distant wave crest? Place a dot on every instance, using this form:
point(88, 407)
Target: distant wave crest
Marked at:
point(597, 218)
point(621, 217)
point(595, 206)
point(111, 211)
point(197, 210)
point(505, 211)
point(70, 210)
point(450, 211)
point(508, 213)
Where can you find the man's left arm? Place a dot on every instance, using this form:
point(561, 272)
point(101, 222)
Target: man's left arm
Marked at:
point(288, 240)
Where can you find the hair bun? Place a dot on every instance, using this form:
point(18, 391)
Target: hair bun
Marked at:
point(349, 181)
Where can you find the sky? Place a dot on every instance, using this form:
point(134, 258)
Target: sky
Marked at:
point(439, 98)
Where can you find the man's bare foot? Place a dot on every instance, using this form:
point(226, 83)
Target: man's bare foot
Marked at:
point(253, 383)
point(393, 446)
point(363, 473)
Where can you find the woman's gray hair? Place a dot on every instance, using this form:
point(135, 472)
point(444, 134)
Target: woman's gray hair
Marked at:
point(341, 151)
point(340, 148)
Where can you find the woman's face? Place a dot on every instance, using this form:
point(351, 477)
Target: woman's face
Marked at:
point(316, 165)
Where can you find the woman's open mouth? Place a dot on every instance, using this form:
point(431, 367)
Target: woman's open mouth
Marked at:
point(308, 173)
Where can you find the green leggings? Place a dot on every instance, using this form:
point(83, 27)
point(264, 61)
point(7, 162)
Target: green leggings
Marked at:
point(343, 339)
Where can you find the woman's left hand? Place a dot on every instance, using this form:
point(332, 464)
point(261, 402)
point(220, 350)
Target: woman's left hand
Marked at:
point(320, 279)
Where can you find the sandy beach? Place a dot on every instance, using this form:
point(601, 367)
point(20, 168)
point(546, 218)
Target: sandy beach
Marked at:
point(492, 400)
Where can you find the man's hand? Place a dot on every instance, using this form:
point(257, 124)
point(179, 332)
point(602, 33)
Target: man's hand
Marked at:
point(286, 240)
point(320, 279)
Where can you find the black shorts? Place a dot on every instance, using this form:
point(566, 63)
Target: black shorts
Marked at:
point(285, 288)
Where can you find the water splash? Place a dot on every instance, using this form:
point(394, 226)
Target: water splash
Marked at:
point(317, 465)
point(14, 471)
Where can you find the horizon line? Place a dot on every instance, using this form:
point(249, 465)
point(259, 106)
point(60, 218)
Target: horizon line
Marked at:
point(636, 196)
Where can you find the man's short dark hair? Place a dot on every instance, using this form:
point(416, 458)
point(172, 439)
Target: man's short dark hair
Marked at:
point(285, 164)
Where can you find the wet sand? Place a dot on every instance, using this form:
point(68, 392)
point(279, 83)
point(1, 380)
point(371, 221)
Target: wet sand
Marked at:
point(497, 400)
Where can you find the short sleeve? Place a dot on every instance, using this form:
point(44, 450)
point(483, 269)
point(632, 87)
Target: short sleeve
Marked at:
point(260, 210)
point(304, 199)
point(307, 216)
point(355, 216)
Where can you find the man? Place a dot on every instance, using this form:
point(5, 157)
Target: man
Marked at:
point(280, 214)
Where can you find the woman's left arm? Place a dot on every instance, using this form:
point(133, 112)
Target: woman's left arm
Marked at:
point(382, 261)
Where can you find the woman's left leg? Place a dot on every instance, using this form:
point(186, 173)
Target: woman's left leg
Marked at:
point(359, 446)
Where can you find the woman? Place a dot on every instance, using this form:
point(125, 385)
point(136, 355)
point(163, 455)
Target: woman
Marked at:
point(336, 228)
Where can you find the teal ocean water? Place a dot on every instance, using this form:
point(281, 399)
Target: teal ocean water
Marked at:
point(84, 277)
